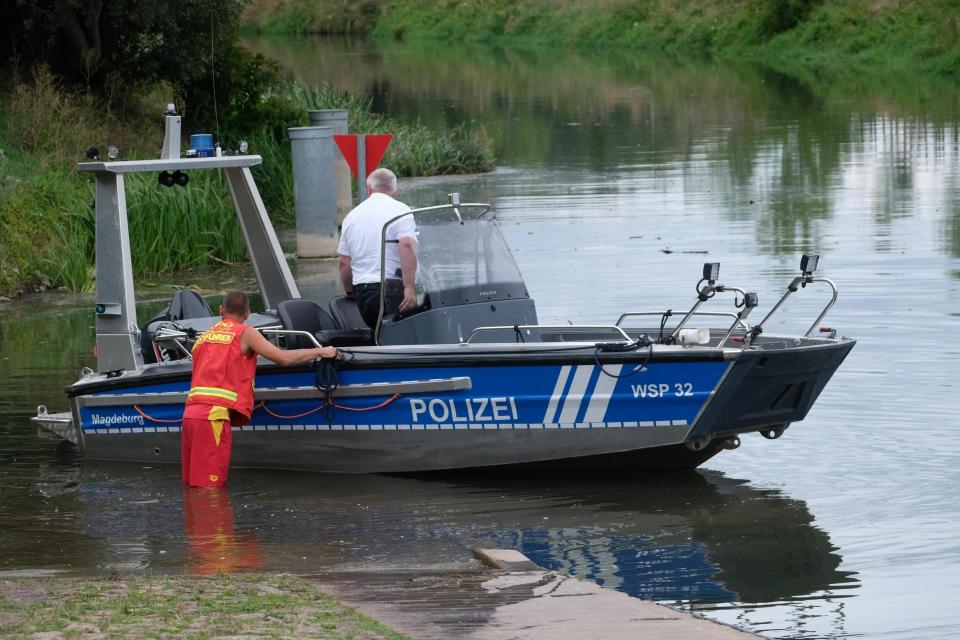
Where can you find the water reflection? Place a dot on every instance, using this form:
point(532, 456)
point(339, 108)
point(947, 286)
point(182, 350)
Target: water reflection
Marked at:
point(699, 537)
point(213, 546)
point(785, 151)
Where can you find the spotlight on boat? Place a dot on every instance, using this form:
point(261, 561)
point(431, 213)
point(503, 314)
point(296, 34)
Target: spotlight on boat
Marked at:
point(93, 153)
point(180, 178)
point(808, 263)
point(166, 179)
point(243, 147)
point(711, 271)
point(113, 152)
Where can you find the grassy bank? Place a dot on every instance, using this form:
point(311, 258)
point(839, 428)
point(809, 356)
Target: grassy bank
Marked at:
point(46, 221)
point(825, 34)
point(261, 606)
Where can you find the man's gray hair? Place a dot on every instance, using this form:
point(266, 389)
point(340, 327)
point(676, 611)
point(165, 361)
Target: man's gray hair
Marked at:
point(382, 181)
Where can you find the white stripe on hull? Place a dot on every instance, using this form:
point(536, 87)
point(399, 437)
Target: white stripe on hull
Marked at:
point(578, 389)
point(557, 392)
point(602, 392)
point(458, 426)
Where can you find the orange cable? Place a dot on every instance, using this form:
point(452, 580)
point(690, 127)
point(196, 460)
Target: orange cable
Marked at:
point(152, 419)
point(376, 406)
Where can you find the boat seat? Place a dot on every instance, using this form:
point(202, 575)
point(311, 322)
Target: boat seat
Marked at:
point(345, 311)
point(300, 314)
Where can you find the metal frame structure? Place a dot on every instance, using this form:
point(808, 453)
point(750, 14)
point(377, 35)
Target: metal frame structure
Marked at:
point(118, 332)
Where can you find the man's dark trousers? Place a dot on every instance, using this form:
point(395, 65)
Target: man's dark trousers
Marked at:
point(367, 296)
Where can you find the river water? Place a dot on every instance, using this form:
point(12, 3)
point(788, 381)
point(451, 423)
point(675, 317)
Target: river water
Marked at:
point(618, 176)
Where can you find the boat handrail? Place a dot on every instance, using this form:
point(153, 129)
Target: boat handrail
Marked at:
point(668, 313)
point(453, 207)
point(519, 327)
point(792, 288)
point(293, 332)
point(175, 336)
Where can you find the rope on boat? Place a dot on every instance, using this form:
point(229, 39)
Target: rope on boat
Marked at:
point(327, 381)
point(264, 406)
point(636, 345)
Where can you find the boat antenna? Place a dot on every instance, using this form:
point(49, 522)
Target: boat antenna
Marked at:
point(213, 82)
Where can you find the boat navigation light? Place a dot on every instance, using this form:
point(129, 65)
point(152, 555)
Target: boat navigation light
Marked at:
point(808, 263)
point(180, 178)
point(711, 271)
point(113, 152)
point(166, 179)
point(242, 146)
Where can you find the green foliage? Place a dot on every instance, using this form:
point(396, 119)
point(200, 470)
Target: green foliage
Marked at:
point(47, 223)
point(121, 48)
point(308, 16)
point(36, 231)
point(777, 16)
point(251, 605)
point(801, 33)
point(173, 228)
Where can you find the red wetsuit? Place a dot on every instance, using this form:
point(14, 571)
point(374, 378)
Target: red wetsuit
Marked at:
point(221, 397)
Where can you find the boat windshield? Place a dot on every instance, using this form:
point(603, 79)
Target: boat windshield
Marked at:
point(464, 260)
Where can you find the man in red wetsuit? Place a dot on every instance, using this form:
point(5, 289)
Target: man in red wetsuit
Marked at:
point(221, 390)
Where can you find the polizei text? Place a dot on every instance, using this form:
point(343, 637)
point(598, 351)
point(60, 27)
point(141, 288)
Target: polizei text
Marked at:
point(463, 410)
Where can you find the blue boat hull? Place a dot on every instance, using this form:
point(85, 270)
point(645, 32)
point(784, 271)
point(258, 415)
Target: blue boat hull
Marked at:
point(628, 412)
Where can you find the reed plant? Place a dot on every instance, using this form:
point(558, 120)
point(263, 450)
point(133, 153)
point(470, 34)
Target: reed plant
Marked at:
point(173, 228)
point(47, 221)
point(274, 175)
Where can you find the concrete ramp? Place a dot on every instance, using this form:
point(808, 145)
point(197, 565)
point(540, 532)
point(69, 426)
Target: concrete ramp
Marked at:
point(515, 599)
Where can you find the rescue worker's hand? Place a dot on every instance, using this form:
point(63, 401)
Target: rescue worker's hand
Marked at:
point(326, 352)
point(409, 301)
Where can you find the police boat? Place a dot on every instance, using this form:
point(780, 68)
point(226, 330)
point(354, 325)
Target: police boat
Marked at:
point(469, 380)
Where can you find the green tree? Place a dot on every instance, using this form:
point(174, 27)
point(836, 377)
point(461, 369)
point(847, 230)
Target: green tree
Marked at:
point(118, 46)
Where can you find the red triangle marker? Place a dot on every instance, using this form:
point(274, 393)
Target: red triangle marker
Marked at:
point(347, 143)
point(376, 144)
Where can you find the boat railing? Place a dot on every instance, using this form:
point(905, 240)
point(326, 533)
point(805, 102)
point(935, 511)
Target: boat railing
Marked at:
point(518, 328)
point(292, 332)
point(178, 338)
point(708, 287)
point(802, 281)
point(737, 319)
point(669, 312)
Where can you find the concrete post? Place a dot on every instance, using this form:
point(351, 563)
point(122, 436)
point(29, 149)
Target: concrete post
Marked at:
point(361, 167)
point(338, 120)
point(314, 192)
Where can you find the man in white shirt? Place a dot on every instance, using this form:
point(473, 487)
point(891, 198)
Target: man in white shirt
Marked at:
point(359, 251)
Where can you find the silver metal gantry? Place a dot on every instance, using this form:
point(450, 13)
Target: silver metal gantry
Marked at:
point(118, 332)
